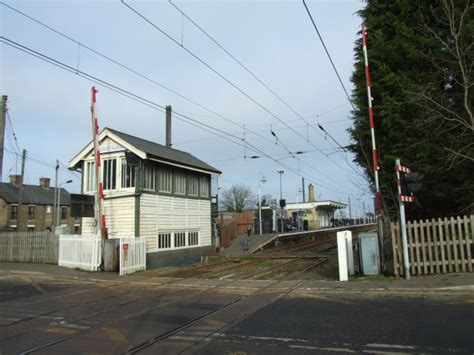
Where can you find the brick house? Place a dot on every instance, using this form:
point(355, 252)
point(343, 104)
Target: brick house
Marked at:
point(36, 212)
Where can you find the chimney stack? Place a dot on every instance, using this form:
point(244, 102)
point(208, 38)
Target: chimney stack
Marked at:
point(311, 193)
point(168, 126)
point(44, 182)
point(15, 180)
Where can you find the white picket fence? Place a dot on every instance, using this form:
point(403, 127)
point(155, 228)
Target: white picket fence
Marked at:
point(80, 251)
point(132, 255)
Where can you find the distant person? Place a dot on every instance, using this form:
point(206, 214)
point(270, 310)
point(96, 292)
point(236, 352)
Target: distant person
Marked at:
point(247, 239)
point(305, 222)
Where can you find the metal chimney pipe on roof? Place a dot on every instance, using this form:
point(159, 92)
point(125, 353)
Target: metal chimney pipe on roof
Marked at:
point(311, 197)
point(168, 126)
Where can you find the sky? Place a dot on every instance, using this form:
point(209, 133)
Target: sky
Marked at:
point(49, 108)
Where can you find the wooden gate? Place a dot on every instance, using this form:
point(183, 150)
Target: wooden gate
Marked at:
point(435, 246)
point(243, 220)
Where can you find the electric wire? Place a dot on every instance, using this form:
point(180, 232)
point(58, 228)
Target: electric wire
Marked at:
point(258, 79)
point(231, 83)
point(141, 75)
point(156, 27)
point(131, 70)
point(148, 103)
point(329, 55)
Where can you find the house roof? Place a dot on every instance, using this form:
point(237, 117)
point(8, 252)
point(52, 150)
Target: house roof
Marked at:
point(32, 195)
point(315, 204)
point(149, 150)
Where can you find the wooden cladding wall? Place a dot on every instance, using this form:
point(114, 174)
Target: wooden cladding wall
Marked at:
point(435, 246)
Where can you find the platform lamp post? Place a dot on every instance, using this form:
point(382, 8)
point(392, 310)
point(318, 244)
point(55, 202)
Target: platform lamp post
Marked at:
point(58, 205)
point(261, 180)
point(281, 172)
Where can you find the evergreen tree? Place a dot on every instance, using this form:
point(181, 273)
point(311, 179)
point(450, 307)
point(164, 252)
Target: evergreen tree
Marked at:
point(420, 57)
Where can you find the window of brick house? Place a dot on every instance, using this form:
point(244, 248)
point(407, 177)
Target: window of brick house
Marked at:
point(14, 212)
point(31, 212)
point(63, 212)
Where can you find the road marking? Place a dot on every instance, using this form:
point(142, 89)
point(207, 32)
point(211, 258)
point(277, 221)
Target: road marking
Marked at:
point(286, 340)
point(64, 324)
point(34, 284)
point(115, 335)
point(384, 352)
point(307, 347)
point(390, 346)
point(66, 331)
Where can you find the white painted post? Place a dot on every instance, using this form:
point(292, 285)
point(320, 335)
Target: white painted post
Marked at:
point(342, 255)
point(350, 253)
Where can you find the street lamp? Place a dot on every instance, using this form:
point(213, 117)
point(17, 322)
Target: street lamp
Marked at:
point(261, 180)
point(59, 200)
point(281, 172)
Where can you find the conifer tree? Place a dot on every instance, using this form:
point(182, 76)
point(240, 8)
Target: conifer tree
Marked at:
point(420, 56)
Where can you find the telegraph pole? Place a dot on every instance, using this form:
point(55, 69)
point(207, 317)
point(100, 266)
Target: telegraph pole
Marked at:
point(23, 158)
point(55, 206)
point(350, 209)
point(3, 115)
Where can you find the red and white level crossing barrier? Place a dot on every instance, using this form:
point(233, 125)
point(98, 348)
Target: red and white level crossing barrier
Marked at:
point(403, 169)
point(404, 198)
point(371, 118)
point(99, 198)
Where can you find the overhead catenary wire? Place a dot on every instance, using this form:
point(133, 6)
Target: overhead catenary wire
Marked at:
point(231, 83)
point(228, 136)
point(279, 142)
point(142, 76)
point(329, 55)
point(335, 70)
point(128, 68)
point(260, 80)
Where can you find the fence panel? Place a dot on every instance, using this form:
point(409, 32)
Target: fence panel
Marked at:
point(132, 255)
point(29, 247)
point(436, 246)
point(80, 251)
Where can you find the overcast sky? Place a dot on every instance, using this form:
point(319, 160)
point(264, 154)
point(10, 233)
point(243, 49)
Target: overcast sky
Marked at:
point(49, 108)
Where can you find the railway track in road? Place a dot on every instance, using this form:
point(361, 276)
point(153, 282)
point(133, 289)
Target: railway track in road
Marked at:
point(188, 296)
point(164, 300)
point(172, 333)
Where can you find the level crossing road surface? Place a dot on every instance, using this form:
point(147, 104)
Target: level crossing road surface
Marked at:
point(44, 310)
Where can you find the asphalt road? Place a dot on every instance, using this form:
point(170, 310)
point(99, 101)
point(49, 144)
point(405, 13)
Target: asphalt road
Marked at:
point(53, 314)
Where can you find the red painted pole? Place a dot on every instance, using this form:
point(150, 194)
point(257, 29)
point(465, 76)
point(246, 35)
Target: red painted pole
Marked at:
point(101, 228)
point(372, 126)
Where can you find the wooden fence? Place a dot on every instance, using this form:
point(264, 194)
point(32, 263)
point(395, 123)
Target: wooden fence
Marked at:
point(243, 220)
point(435, 246)
point(29, 247)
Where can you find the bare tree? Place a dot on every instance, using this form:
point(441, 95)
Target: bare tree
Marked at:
point(237, 198)
point(454, 60)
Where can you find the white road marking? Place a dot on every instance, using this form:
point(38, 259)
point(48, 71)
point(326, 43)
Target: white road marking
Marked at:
point(384, 352)
point(390, 346)
point(339, 350)
point(286, 340)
